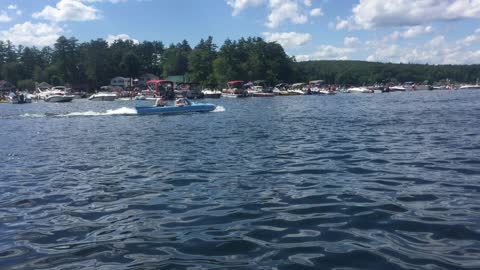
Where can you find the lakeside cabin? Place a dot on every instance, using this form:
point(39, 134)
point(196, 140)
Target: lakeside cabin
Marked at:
point(120, 82)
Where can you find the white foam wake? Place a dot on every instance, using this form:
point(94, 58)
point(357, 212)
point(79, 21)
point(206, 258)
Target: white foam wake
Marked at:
point(219, 109)
point(120, 111)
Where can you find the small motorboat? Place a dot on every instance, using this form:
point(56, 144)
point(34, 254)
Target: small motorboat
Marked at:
point(103, 96)
point(359, 90)
point(211, 94)
point(20, 99)
point(194, 107)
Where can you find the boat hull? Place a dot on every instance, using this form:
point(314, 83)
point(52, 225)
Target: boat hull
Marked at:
point(217, 95)
point(102, 98)
point(263, 95)
point(59, 99)
point(201, 107)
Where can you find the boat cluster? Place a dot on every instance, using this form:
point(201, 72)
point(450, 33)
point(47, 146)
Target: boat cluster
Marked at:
point(236, 89)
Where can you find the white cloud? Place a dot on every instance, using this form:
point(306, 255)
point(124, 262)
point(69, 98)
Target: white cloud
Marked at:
point(342, 24)
point(12, 7)
point(4, 17)
point(471, 39)
point(285, 10)
point(239, 5)
point(350, 41)
point(439, 50)
point(316, 12)
point(68, 10)
point(368, 14)
point(288, 39)
point(111, 38)
point(280, 11)
point(413, 32)
point(328, 52)
point(32, 34)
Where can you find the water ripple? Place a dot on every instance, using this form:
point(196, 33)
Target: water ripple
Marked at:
point(340, 182)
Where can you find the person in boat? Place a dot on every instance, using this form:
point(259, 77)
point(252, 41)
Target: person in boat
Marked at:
point(182, 102)
point(160, 102)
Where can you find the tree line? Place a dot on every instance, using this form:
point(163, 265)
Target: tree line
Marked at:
point(92, 64)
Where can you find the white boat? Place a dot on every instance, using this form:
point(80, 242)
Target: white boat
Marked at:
point(470, 87)
point(22, 98)
point(359, 90)
point(103, 96)
point(297, 89)
point(56, 94)
point(397, 88)
point(58, 97)
point(295, 92)
point(325, 92)
point(211, 94)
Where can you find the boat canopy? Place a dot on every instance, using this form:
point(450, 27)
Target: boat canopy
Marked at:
point(158, 81)
point(316, 82)
point(153, 84)
point(298, 84)
point(235, 82)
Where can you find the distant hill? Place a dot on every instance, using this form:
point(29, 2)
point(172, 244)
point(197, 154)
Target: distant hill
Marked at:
point(362, 72)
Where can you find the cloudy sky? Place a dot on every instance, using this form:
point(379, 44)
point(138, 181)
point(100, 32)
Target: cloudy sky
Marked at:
point(419, 31)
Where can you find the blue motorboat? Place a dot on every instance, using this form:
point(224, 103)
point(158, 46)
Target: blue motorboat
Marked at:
point(194, 107)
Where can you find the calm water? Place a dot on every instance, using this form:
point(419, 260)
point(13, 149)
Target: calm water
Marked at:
point(382, 181)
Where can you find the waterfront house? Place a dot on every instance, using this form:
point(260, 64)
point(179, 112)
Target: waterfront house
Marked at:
point(120, 82)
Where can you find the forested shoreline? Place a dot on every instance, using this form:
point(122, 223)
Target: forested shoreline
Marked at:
point(92, 64)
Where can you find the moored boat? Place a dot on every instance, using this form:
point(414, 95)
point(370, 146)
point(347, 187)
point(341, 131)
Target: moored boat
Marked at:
point(161, 88)
point(20, 98)
point(103, 96)
point(359, 90)
point(211, 93)
point(55, 94)
point(189, 90)
point(235, 89)
point(470, 87)
point(58, 97)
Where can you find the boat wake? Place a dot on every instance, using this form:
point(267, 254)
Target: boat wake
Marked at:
point(120, 111)
point(219, 109)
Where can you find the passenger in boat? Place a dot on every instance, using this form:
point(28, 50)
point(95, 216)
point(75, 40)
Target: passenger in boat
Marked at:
point(160, 102)
point(182, 102)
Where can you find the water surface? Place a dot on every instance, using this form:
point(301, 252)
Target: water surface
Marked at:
point(381, 181)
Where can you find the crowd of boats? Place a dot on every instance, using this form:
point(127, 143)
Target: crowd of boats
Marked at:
point(235, 89)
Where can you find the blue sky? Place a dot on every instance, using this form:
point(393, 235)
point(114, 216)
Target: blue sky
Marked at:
point(420, 31)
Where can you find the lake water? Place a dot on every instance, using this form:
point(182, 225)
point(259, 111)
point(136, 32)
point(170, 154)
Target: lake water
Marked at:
point(351, 181)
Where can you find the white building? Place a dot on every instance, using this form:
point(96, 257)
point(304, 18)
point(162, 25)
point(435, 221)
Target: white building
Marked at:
point(120, 82)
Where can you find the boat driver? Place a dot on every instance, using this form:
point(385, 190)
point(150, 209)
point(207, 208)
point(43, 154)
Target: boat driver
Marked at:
point(160, 102)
